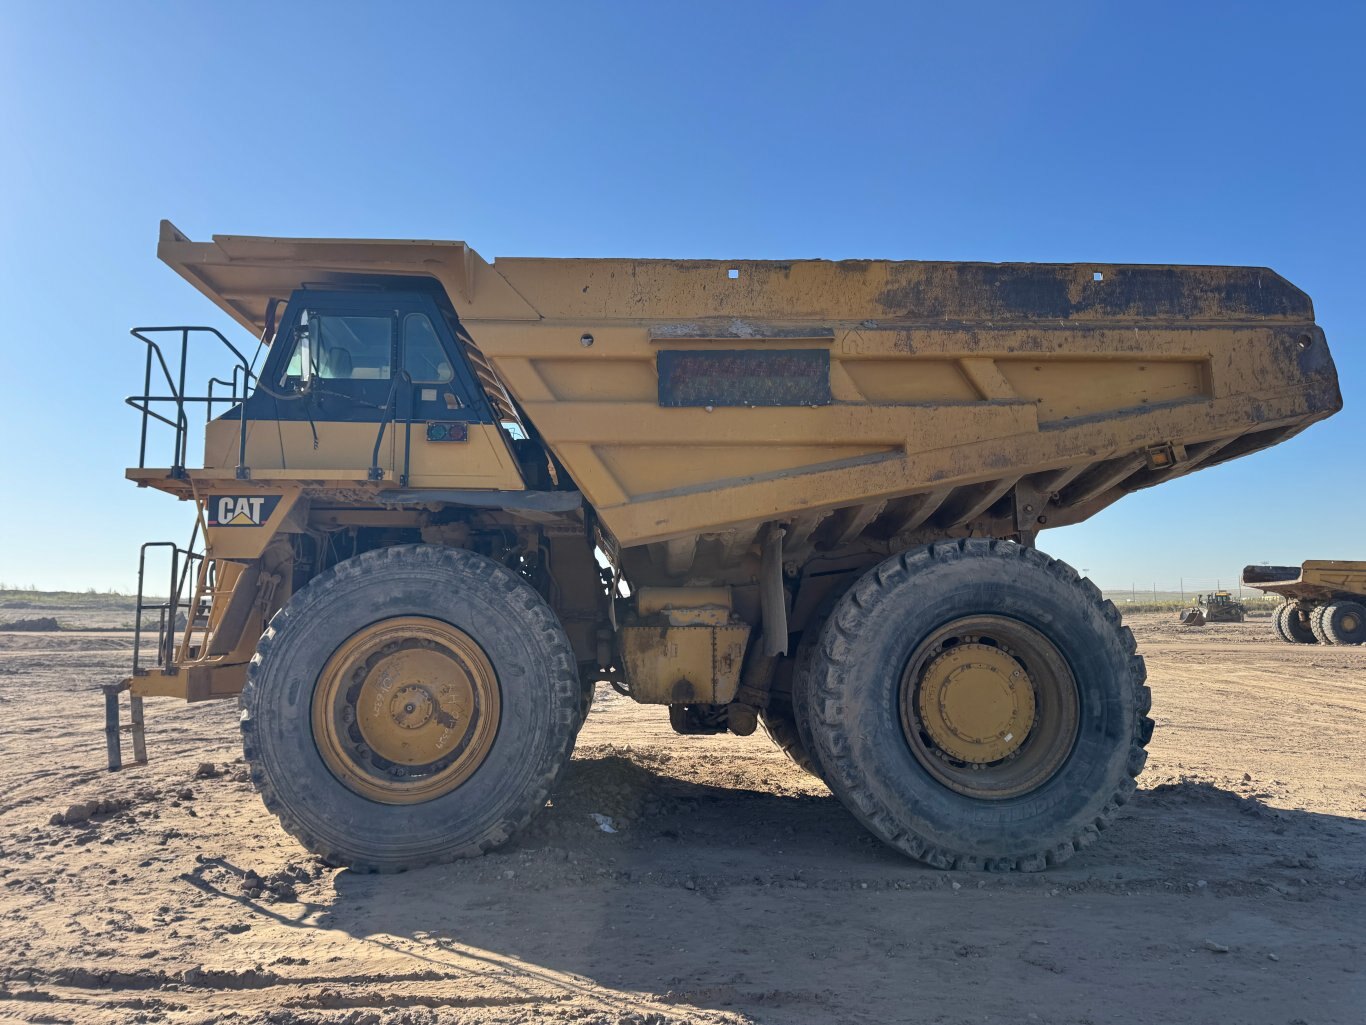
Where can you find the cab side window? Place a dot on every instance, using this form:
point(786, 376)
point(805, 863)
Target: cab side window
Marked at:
point(423, 355)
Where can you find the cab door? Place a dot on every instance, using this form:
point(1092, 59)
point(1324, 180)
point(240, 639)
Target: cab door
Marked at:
point(453, 440)
point(324, 390)
point(429, 361)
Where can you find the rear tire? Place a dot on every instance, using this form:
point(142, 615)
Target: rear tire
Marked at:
point(780, 722)
point(412, 704)
point(962, 624)
point(792, 692)
point(1299, 624)
point(1341, 622)
point(1315, 617)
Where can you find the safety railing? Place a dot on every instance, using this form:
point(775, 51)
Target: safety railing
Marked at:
point(184, 563)
point(170, 408)
point(236, 386)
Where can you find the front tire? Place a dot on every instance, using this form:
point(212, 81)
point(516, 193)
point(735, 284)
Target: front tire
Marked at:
point(976, 704)
point(412, 704)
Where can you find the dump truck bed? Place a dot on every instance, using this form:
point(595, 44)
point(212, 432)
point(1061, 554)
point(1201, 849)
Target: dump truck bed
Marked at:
point(1315, 580)
point(877, 400)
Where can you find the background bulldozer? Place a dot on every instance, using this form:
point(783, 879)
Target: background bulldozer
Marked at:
point(1216, 607)
point(444, 497)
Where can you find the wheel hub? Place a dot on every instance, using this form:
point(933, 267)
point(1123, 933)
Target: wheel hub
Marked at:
point(406, 710)
point(989, 706)
point(977, 703)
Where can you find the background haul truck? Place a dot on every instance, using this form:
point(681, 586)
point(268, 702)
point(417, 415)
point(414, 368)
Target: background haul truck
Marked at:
point(454, 494)
point(1325, 600)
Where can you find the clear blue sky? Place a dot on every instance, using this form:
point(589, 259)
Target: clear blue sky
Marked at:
point(1201, 133)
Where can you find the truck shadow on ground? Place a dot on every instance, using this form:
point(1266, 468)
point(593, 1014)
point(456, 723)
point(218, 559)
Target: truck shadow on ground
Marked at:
point(704, 890)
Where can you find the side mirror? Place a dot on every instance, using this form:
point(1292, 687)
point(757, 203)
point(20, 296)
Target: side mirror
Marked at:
point(302, 364)
point(268, 333)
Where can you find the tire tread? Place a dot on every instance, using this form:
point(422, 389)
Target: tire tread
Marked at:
point(538, 618)
point(838, 651)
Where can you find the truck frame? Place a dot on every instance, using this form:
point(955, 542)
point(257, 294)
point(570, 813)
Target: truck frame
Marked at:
point(455, 495)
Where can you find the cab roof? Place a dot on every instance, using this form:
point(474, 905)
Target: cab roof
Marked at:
point(242, 273)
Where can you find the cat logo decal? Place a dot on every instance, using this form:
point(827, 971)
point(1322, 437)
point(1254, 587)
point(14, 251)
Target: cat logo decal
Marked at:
point(240, 510)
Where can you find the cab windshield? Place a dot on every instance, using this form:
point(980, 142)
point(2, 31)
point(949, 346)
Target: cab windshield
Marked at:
point(341, 347)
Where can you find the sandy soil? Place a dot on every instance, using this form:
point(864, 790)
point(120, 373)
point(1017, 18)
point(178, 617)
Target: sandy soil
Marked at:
point(735, 888)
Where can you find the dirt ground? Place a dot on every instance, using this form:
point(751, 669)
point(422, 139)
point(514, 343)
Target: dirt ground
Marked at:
point(734, 888)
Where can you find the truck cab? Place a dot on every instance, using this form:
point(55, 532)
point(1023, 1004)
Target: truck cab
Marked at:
point(375, 379)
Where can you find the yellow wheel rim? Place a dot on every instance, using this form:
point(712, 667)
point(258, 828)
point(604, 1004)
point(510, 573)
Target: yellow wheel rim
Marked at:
point(977, 703)
point(989, 707)
point(406, 710)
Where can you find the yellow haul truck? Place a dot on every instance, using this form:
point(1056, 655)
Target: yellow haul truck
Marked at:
point(454, 494)
point(1325, 600)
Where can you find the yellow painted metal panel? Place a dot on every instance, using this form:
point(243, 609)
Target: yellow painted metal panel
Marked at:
point(344, 451)
point(616, 380)
point(289, 444)
point(1068, 387)
point(943, 376)
point(650, 600)
point(246, 542)
point(667, 665)
point(910, 380)
point(662, 469)
point(481, 462)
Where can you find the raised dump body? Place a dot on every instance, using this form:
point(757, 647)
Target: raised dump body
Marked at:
point(805, 492)
point(1325, 600)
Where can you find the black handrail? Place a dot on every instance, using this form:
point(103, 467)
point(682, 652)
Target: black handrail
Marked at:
point(387, 416)
point(176, 385)
point(407, 436)
point(232, 397)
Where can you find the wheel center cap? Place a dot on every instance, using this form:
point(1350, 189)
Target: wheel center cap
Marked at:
point(414, 703)
point(412, 707)
point(976, 702)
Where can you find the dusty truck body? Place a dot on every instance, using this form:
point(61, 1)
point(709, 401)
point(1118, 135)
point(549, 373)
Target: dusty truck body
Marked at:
point(1325, 600)
point(453, 494)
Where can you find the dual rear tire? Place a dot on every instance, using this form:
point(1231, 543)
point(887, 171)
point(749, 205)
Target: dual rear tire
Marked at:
point(780, 723)
point(1294, 625)
point(1339, 622)
point(976, 705)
